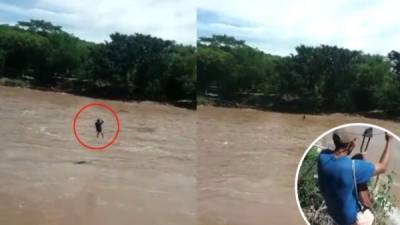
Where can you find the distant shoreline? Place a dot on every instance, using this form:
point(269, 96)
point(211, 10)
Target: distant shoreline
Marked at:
point(201, 101)
point(204, 101)
point(7, 82)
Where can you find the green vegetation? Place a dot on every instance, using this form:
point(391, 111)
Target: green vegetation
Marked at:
point(315, 79)
point(127, 67)
point(383, 199)
point(312, 202)
point(308, 186)
point(310, 199)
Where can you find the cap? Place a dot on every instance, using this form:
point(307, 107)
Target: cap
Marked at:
point(343, 136)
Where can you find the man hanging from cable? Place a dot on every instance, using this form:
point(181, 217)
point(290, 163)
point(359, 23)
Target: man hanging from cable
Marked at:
point(99, 127)
point(339, 177)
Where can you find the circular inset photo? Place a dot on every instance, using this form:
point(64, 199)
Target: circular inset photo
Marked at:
point(348, 176)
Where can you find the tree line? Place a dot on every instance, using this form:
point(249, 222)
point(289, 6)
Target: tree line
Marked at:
point(314, 79)
point(126, 67)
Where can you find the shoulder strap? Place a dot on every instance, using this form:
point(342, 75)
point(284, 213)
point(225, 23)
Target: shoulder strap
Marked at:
point(353, 165)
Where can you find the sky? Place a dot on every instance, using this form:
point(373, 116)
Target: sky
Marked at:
point(274, 26)
point(94, 20)
point(278, 26)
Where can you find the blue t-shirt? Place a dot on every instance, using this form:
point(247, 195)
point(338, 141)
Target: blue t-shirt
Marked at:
point(336, 183)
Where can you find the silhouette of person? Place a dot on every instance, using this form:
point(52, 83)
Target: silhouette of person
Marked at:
point(99, 128)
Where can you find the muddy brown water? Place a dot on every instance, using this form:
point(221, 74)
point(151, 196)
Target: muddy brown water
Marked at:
point(247, 162)
point(168, 166)
point(147, 177)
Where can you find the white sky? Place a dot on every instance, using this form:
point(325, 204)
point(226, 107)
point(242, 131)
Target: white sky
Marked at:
point(95, 19)
point(277, 26)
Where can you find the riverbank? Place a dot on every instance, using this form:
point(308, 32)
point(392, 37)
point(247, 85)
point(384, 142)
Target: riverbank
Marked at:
point(287, 108)
point(95, 92)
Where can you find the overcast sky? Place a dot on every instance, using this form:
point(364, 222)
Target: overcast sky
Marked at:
point(278, 26)
point(94, 20)
point(274, 26)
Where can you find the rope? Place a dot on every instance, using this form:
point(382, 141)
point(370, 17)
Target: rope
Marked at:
point(353, 167)
point(358, 134)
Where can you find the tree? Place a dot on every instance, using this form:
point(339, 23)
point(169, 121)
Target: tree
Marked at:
point(39, 26)
point(128, 66)
point(181, 74)
point(221, 41)
point(234, 68)
point(216, 69)
point(315, 78)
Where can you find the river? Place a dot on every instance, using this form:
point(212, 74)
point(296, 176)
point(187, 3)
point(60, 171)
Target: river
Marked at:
point(168, 166)
point(147, 177)
point(247, 161)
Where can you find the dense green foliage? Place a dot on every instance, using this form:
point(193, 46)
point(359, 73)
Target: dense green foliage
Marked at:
point(322, 78)
point(127, 67)
point(308, 195)
point(308, 192)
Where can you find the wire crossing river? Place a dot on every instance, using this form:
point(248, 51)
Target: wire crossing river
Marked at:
point(168, 166)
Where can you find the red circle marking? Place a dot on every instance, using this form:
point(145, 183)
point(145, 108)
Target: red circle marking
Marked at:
point(102, 105)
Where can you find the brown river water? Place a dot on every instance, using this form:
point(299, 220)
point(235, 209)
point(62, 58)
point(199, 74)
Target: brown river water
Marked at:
point(168, 166)
point(247, 162)
point(147, 177)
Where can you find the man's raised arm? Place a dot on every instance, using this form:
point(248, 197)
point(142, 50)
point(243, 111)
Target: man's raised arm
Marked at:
point(381, 166)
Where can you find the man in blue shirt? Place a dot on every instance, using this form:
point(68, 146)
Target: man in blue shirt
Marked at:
point(337, 178)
